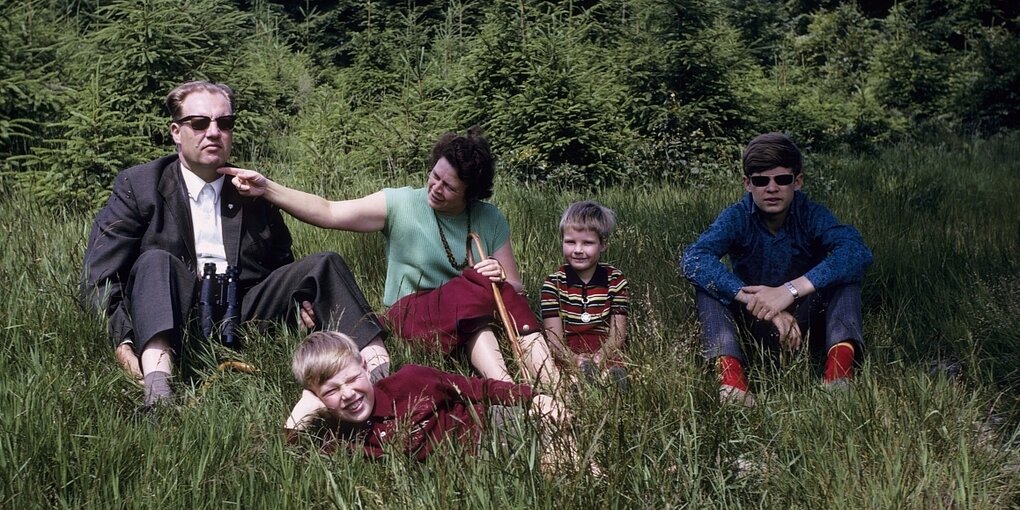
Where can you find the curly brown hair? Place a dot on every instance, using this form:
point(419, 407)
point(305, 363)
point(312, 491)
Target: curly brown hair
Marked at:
point(471, 157)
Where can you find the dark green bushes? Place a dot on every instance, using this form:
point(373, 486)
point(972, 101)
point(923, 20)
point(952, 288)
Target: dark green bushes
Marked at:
point(552, 112)
point(104, 74)
point(631, 92)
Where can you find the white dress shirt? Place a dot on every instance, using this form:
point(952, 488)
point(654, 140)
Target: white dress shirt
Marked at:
point(205, 216)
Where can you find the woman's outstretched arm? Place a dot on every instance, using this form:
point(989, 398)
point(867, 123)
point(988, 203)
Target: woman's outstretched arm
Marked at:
point(365, 214)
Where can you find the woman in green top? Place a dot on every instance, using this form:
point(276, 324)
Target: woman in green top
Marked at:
point(433, 293)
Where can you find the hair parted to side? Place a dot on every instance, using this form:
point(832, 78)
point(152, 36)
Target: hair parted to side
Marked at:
point(177, 95)
point(589, 215)
point(770, 150)
point(470, 155)
point(321, 355)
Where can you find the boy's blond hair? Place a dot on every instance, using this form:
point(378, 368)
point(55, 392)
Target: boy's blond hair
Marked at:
point(321, 355)
point(589, 215)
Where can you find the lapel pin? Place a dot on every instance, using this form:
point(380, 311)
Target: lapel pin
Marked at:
point(230, 206)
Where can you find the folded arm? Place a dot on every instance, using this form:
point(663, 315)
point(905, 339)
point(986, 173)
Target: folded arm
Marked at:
point(846, 259)
point(848, 256)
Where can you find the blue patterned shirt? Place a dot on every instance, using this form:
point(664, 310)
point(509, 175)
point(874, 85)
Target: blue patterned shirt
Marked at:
point(811, 243)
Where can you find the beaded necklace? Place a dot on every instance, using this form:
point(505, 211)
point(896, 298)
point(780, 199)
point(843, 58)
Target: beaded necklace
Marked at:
point(446, 245)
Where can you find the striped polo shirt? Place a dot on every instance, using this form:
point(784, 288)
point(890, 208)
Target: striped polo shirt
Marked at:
point(564, 295)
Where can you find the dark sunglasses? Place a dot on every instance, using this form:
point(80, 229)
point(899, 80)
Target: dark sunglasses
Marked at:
point(201, 122)
point(760, 181)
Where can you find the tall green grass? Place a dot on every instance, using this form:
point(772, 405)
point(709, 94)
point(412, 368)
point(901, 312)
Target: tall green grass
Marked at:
point(944, 224)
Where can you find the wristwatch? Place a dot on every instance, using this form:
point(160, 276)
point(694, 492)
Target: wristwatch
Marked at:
point(792, 289)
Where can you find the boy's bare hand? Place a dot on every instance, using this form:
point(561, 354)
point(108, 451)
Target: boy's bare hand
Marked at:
point(765, 302)
point(581, 358)
point(789, 330)
point(305, 411)
point(550, 409)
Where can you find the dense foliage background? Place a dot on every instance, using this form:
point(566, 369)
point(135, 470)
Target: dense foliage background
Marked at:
point(577, 93)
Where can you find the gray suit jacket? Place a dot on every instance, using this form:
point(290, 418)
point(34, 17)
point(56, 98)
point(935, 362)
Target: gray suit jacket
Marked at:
point(149, 210)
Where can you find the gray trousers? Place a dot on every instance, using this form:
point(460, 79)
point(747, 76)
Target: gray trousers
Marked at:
point(162, 292)
point(826, 318)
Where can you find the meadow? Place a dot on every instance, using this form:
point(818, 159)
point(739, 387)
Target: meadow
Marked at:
point(930, 422)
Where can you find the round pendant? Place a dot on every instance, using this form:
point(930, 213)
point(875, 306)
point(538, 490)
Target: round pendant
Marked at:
point(585, 317)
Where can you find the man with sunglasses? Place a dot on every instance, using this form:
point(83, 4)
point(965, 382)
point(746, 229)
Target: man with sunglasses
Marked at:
point(795, 270)
point(168, 218)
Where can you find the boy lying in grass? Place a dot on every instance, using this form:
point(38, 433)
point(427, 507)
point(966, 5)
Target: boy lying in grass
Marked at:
point(413, 410)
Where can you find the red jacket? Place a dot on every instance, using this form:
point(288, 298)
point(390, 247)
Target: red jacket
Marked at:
point(417, 407)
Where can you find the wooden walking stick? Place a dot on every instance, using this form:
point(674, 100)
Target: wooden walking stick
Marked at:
point(508, 325)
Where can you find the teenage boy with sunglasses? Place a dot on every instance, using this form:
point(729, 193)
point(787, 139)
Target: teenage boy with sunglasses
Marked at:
point(795, 270)
point(167, 218)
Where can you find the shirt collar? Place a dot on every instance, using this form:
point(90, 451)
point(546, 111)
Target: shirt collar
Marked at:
point(600, 278)
point(383, 407)
point(195, 184)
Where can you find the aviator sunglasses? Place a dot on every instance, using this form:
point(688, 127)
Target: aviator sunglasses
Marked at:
point(760, 181)
point(201, 122)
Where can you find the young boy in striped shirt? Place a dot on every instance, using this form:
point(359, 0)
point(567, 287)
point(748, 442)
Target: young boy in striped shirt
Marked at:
point(585, 302)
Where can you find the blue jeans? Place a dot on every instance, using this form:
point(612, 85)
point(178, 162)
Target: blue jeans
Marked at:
point(826, 318)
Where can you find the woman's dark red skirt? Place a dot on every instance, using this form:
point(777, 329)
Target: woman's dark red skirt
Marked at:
point(448, 316)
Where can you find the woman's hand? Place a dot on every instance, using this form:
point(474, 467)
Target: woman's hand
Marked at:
point(249, 183)
point(505, 257)
point(491, 269)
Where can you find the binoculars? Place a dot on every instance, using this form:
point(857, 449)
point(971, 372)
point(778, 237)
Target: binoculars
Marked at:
point(218, 301)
